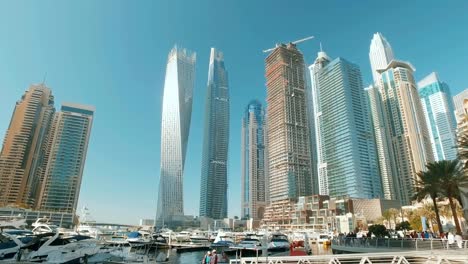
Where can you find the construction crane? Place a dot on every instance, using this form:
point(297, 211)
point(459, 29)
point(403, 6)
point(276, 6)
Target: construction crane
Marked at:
point(294, 42)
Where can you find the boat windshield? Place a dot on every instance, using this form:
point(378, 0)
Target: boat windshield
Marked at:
point(133, 235)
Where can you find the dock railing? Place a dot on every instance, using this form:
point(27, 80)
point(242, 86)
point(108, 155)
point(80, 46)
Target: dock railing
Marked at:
point(410, 257)
point(403, 244)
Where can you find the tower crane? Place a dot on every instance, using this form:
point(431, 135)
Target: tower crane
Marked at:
point(294, 42)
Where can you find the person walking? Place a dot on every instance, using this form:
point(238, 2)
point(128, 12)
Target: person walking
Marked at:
point(207, 258)
point(214, 257)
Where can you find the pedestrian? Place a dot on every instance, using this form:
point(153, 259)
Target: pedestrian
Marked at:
point(207, 258)
point(451, 239)
point(214, 257)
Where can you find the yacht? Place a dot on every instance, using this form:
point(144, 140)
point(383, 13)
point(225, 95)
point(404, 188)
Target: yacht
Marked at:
point(12, 222)
point(9, 246)
point(278, 242)
point(183, 236)
point(55, 248)
point(224, 236)
point(198, 237)
point(139, 238)
point(43, 226)
point(249, 246)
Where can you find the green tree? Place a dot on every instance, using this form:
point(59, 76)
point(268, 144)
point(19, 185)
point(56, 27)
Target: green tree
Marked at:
point(378, 230)
point(463, 144)
point(405, 225)
point(428, 183)
point(387, 215)
point(451, 176)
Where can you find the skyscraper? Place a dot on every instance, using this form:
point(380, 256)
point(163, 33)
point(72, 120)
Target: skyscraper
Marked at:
point(22, 159)
point(459, 102)
point(383, 143)
point(380, 54)
point(290, 173)
point(347, 160)
point(440, 118)
point(213, 193)
point(254, 166)
point(175, 126)
point(70, 136)
point(405, 124)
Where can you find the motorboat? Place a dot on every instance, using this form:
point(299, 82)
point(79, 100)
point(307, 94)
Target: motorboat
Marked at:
point(198, 237)
point(226, 247)
point(87, 229)
point(43, 226)
point(324, 239)
point(12, 222)
point(223, 236)
point(139, 238)
point(55, 248)
point(9, 246)
point(278, 242)
point(249, 246)
point(183, 236)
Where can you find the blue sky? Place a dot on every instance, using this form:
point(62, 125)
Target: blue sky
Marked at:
point(112, 54)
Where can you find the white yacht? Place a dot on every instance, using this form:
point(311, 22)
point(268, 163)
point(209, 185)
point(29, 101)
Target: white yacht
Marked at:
point(198, 236)
point(183, 236)
point(15, 222)
point(9, 246)
point(42, 226)
point(224, 236)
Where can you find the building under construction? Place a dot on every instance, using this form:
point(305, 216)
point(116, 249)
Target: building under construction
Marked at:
point(289, 155)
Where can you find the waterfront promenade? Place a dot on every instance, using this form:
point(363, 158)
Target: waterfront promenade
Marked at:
point(408, 257)
point(374, 245)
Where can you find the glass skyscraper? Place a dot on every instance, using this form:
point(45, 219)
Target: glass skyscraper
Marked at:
point(347, 159)
point(214, 185)
point(175, 126)
point(70, 135)
point(23, 156)
point(405, 126)
point(440, 118)
point(289, 154)
point(254, 166)
point(380, 54)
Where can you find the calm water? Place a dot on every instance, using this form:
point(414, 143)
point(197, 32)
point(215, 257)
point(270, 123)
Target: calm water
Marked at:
point(196, 257)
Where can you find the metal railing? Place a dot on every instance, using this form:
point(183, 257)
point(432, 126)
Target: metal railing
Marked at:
point(413, 257)
point(404, 244)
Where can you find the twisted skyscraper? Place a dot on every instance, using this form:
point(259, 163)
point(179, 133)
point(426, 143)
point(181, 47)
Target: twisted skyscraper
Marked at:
point(213, 188)
point(176, 115)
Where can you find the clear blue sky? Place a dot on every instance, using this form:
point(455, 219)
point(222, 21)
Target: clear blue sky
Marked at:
point(112, 54)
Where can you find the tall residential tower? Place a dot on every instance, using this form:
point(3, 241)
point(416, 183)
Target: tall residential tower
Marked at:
point(70, 135)
point(289, 156)
point(214, 185)
point(347, 158)
point(175, 126)
point(405, 125)
point(22, 159)
point(380, 54)
point(254, 165)
point(440, 117)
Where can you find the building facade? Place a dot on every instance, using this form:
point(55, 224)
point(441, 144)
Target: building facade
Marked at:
point(214, 185)
point(23, 156)
point(253, 162)
point(380, 54)
point(459, 102)
point(175, 126)
point(383, 143)
point(289, 155)
point(406, 126)
point(70, 136)
point(440, 118)
point(347, 155)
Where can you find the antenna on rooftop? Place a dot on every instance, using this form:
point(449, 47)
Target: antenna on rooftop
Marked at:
point(45, 77)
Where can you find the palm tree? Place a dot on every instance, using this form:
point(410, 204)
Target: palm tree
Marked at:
point(451, 176)
point(428, 184)
point(463, 146)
